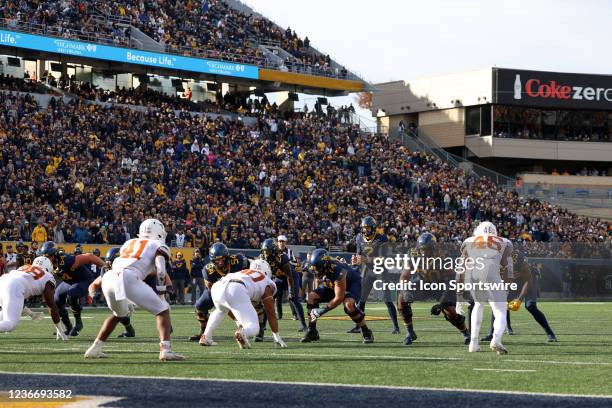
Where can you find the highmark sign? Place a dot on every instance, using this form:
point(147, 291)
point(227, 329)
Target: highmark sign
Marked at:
point(110, 53)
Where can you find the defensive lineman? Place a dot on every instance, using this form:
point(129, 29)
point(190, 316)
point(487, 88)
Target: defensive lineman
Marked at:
point(23, 283)
point(124, 283)
point(236, 293)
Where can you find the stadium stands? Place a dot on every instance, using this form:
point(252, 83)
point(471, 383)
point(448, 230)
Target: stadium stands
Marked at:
point(207, 29)
point(95, 171)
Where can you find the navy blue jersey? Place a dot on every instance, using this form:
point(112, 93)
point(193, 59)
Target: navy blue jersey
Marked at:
point(336, 269)
point(236, 263)
point(278, 263)
point(81, 274)
point(371, 248)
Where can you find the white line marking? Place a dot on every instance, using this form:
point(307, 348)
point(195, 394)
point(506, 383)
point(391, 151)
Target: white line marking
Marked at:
point(388, 387)
point(504, 370)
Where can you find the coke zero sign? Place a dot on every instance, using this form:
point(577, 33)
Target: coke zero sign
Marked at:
point(552, 89)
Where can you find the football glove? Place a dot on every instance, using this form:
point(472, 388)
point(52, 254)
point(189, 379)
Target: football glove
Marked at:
point(459, 308)
point(279, 340)
point(318, 312)
point(514, 305)
point(59, 332)
point(436, 309)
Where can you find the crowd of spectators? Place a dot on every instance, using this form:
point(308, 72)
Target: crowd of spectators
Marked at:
point(88, 173)
point(67, 18)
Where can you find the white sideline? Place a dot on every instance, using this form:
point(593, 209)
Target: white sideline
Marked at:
point(388, 387)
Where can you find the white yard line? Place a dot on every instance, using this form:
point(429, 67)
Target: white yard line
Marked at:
point(504, 370)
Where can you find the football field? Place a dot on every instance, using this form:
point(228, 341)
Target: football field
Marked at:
point(579, 364)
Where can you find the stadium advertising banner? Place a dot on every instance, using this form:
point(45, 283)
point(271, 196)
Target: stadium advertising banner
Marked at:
point(131, 56)
point(552, 89)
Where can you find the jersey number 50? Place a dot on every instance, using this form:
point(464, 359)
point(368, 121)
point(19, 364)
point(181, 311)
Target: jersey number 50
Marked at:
point(255, 275)
point(35, 271)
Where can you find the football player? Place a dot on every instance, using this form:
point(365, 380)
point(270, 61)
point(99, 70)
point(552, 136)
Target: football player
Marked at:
point(95, 290)
point(489, 254)
point(236, 293)
point(339, 284)
point(425, 248)
point(139, 257)
point(527, 294)
point(221, 264)
point(20, 284)
point(283, 276)
point(76, 275)
point(24, 256)
point(369, 246)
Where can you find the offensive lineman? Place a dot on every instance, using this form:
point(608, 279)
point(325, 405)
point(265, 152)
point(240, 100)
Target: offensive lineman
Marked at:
point(339, 283)
point(76, 276)
point(494, 253)
point(22, 283)
point(425, 248)
point(236, 293)
point(139, 257)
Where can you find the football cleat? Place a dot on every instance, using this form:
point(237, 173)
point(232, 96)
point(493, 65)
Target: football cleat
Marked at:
point(499, 349)
point(169, 355)
point(195, 337)
point(474, 347)
point(551, 338)
point(129, 332)
point(78, 326)
point(509, 331)
point(488, 337)
point(466, 338)
point(206, 342)
point(368, 336)
point(311, 335)
point(354, 330)
point(396, 330)
point(408, 340)
point(412, 335)
point(241, 339)
point(259, 338)
point(302, 329)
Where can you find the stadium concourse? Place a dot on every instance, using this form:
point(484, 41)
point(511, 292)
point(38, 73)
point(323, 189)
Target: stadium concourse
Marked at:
point(88, 173)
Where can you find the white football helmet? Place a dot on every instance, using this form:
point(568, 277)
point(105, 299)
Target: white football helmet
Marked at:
point(262, 266)
point(44, 263)
point(152, 229)
point(485, 228)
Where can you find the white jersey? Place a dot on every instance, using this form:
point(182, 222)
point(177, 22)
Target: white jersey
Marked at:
point(139, 255)
point(31, 278)
point(486, 252)
point(254, 281)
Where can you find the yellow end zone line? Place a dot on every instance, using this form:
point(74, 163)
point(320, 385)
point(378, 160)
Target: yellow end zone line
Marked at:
point(388, 387)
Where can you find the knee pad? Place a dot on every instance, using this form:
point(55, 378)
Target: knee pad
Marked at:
point(356, 315)
point(531, 305)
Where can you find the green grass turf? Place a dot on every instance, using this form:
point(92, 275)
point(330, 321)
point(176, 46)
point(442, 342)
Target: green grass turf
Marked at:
point(579, 364)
